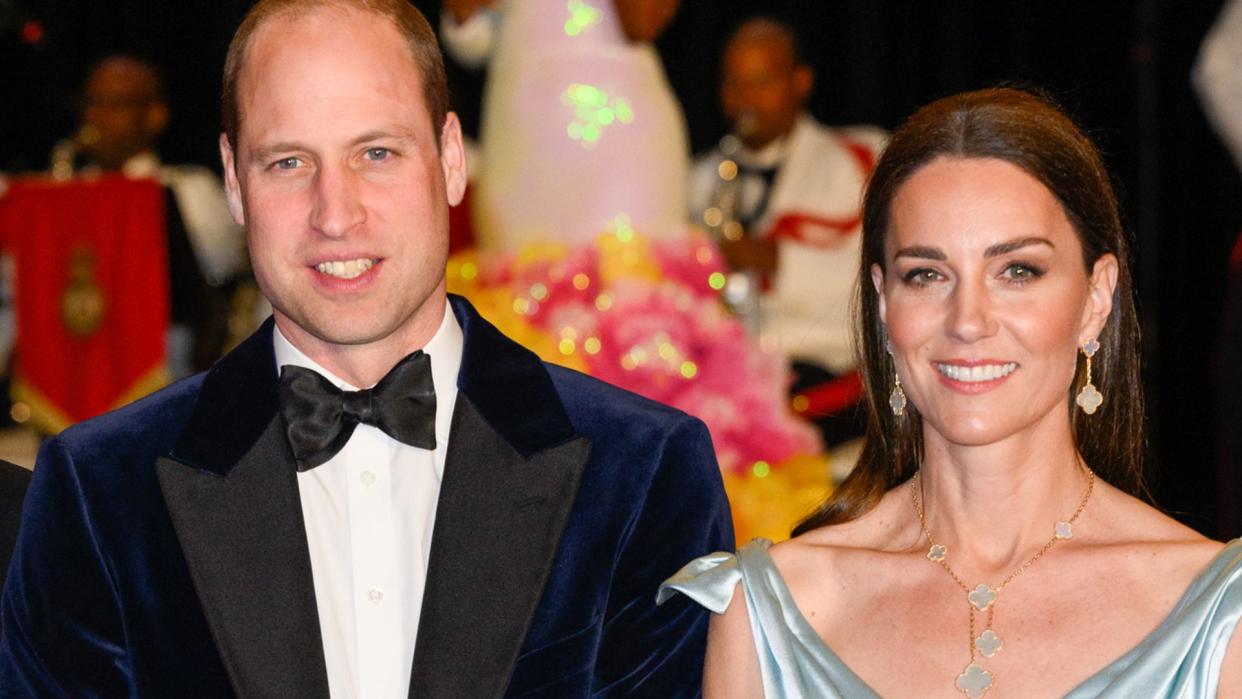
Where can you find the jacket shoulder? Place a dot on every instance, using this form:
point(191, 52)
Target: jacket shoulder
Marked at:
point(147, 427)
point(588, 399)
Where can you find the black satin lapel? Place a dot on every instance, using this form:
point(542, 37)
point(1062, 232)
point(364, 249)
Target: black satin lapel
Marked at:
point(245, 542)
point(498, 525)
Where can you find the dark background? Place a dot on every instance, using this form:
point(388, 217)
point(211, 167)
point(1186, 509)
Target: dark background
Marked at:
point(1120, 67)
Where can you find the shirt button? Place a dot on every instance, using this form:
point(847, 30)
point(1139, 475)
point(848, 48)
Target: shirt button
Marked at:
point(367, 478)
point(375, 596)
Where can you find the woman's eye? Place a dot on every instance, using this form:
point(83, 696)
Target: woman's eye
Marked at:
point(921, 276)
point(1022, 272)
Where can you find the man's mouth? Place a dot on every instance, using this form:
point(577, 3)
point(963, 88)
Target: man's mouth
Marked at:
point(345, 269)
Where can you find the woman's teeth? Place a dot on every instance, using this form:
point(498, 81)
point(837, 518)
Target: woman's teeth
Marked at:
point(972, 374)
point(345, 270)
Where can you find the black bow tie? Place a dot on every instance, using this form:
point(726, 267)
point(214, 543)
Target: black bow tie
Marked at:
point(767, 174)
point(320, 418)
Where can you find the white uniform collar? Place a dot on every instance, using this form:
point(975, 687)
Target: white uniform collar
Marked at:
point(144, 165)
point(775, 152)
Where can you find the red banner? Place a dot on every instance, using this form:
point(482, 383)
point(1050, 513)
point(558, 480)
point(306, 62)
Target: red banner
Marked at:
point(91, 294)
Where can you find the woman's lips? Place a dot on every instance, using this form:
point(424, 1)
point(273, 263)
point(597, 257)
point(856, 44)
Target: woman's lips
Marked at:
point(975, 376)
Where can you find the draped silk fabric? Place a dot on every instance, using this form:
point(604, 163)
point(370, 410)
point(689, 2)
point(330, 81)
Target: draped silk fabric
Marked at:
point(1181, 658)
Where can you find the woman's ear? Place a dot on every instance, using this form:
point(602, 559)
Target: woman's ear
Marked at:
point(1101, 285)
point(877, 281)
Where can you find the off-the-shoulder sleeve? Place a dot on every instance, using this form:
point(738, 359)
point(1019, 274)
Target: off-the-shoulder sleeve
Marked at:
point(708, 580)
point(1183, 656)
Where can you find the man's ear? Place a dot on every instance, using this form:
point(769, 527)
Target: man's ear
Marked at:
point(877, 281)
point(157, 118)
point(1101, 284)
point(453, 159)
point(232, 189)
point(804, 81)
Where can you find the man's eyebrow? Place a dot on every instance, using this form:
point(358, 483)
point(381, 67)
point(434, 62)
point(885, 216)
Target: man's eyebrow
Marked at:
point(400, 134)
point(265, 153)
point(922, 252)
point(1016, 244)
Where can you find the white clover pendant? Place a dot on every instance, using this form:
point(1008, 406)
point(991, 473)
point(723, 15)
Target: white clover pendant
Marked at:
point(982, 597)
point(937, 553)
point(1089, 399)
point(974, 681)
point(1064, 530)
point(988, 643)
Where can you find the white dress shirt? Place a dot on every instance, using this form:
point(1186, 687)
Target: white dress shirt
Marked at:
point(369, 513)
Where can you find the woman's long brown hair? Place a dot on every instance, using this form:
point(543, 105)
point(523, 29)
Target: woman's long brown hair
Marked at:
point(1030, 131)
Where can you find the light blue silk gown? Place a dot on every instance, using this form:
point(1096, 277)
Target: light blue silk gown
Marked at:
point(1181, 658)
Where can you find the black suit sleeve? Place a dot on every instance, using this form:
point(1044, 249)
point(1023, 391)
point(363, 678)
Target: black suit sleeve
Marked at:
point(657, 651)
point(62, 633)
point(13, 483)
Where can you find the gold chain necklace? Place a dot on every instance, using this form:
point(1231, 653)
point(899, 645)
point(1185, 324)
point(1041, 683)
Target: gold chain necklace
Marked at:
point(975, 681)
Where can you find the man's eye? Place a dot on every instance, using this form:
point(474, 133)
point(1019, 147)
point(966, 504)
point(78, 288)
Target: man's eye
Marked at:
point(287, 163)
point(378, 154)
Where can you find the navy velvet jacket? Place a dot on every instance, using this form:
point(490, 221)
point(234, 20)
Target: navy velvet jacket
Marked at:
point(162, 550)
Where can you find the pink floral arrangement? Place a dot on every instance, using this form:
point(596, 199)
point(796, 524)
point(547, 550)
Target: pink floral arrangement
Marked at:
point(647, 316)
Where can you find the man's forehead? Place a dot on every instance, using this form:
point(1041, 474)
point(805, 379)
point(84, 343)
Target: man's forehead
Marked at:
point(122, 74)
point(771, 49)
point(299, 29)
point(334, 72)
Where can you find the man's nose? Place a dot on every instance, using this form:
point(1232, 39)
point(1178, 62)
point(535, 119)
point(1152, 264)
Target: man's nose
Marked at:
point(337, 209)
point(971, 317)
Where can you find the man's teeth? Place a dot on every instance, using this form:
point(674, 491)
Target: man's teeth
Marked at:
point(345, 270)
point(972, 374)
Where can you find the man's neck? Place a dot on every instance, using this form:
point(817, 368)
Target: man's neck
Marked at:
point(363, 365)
point(769, 154)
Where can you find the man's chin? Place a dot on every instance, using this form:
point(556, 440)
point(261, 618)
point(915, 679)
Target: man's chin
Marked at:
point(346, 334)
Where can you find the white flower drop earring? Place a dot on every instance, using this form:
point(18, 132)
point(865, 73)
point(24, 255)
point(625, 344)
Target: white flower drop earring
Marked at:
point(1089, 398)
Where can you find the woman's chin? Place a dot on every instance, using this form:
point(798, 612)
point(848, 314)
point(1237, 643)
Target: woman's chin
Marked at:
point(973, 429)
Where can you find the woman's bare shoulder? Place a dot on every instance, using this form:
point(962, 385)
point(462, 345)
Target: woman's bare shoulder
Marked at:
point(1125, 521)
point(885, 528)
point(1148, 548)
point(841, 557)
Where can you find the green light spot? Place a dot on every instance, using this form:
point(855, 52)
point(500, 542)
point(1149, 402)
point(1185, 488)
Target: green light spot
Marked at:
point(593, 111)
point(761, 469)
point(581, 17)
point(716, 280)
point(620, 227)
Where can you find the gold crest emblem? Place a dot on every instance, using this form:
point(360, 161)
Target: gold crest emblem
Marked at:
point(82, 305)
